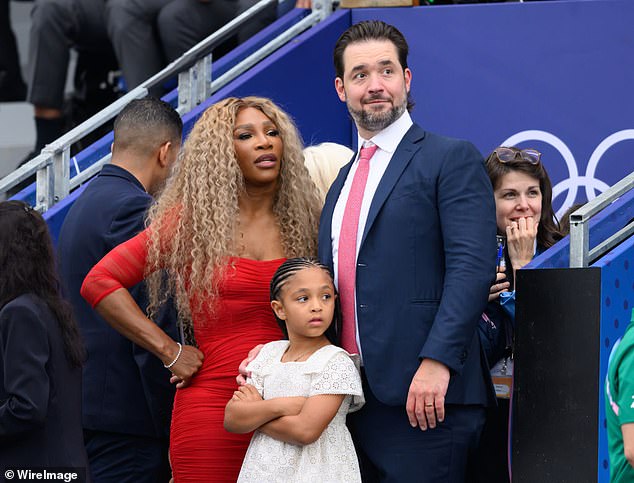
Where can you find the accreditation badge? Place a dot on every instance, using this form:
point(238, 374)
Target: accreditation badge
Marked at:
point(502, 377)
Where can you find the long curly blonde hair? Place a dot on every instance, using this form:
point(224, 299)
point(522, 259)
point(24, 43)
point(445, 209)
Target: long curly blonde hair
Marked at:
point(193, 224)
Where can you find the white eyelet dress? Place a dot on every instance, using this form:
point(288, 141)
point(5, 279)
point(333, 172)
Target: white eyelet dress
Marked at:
point(331, 458)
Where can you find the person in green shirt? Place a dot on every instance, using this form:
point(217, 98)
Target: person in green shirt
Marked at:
point(619, 404)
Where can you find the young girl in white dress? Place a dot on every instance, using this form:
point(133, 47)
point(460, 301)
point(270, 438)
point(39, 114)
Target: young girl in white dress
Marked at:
point(300, 389)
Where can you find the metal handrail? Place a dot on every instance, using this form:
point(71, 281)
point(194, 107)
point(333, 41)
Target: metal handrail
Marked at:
point(46, 159)
point(580, 253)
point(52, 165)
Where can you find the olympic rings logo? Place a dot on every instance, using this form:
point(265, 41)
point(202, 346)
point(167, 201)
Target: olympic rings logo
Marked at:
point(574, 181)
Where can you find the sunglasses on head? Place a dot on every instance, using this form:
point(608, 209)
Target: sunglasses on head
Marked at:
point(506, 155)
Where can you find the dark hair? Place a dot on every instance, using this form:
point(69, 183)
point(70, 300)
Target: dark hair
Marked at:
point(564, 224)
point(286, 271)
point(145, 124)
point(548, 232)
point(28, 266)
point(371, 30)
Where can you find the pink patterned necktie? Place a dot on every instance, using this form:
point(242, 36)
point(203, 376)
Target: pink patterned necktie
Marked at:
point(347, 254)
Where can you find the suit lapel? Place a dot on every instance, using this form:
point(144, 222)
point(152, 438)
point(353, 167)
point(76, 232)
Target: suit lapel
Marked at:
point(401, 158)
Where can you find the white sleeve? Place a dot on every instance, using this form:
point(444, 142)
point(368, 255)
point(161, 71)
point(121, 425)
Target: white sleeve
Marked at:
point(338, 376)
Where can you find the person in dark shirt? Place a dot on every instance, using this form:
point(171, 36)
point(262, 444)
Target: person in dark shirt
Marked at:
point(127, 397)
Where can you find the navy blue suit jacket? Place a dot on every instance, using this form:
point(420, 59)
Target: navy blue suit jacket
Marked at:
point(40, 392)
point(425, 265)
point(125, 388)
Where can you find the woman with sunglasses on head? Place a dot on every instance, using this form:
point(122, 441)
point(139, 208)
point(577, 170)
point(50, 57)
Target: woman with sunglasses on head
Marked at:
point(524, 212)
point(526, 226)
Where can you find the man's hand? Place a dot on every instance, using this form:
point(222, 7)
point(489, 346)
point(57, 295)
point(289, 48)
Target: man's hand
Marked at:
point(186, 366)
point(426, 397)
point(500, 285)
point(241, 378)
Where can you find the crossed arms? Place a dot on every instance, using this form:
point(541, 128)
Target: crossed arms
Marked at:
point(297, 420)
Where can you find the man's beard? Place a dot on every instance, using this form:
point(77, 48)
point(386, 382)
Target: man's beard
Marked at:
point(377, 121)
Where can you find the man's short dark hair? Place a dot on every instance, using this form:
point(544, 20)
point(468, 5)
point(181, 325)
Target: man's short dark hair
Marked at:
point(370, 30)
point(145, 124)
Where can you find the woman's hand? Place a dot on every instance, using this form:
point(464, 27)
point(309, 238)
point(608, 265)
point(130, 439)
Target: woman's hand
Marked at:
point(290, 405)
point(246, 411)
point(241, 378)
point(500, 285)
point(246, 393)
point(520, 241)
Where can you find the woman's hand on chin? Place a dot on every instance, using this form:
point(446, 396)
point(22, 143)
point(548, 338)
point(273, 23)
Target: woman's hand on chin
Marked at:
point(520, 241)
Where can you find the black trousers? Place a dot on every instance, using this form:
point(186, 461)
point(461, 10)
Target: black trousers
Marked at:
point(490, 464)
point(125, 458)
point(148, 34)
point(11, 83)
point(56, 27)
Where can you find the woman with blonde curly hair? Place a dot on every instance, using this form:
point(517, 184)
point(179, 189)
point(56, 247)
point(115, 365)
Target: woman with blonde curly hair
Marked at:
point(239, 202)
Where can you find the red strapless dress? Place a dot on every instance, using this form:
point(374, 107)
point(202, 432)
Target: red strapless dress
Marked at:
point(200, 448)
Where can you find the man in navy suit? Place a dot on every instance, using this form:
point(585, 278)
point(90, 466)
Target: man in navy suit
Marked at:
point(127, 396)
point(424, 263)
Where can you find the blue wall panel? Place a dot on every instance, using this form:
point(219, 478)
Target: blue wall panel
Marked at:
point(300, 78)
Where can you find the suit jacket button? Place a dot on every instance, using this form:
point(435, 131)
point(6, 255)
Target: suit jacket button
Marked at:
point(362, 306)
point(361, 265)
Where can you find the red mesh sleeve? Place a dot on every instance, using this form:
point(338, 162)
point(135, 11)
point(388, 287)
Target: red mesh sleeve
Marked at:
point(122, 267)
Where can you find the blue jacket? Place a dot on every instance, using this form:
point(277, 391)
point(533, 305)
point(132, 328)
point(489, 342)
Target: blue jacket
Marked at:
point(40, 392)
point(125, 388)
point(424, 267)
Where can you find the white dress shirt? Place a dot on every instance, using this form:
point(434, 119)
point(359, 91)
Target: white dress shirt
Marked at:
point(387, 141)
